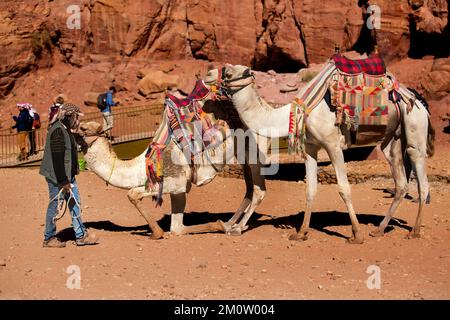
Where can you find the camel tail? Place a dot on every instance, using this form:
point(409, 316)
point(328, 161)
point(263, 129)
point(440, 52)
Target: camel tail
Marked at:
point(430, 139)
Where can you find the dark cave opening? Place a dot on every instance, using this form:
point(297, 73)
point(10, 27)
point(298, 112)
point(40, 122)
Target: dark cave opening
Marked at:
point(425, 44)
point(278, 61)
point(367, 39)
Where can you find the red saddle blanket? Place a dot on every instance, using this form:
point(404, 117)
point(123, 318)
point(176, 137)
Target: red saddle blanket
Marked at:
point(373, 65)
point(198, 93)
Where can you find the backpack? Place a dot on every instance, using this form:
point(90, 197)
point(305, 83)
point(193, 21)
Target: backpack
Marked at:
point(36, 121)
point(101, 101)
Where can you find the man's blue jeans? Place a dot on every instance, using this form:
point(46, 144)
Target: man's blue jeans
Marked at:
point(52, 210)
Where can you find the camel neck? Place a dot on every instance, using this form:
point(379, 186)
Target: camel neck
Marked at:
point(103, 161)
point(259, 116)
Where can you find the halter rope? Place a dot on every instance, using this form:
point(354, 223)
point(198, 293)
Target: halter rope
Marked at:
point(61, 203)
point(112, 170)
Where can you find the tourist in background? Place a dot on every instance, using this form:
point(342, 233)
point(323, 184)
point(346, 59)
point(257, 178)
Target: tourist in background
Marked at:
point(105, 102)
point(24, 123)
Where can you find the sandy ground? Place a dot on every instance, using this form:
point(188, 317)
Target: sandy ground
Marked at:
point(260, 264)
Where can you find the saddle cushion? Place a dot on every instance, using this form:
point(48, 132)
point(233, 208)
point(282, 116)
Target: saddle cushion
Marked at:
point(373, 65)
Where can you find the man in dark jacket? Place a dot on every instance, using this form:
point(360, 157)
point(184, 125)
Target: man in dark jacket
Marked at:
point(59, 167)
point(24, 123)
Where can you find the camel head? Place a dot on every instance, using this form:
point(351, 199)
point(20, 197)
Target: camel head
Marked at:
point(88, 133)
point(212, 77)
point(214, 81)
point(236, 77)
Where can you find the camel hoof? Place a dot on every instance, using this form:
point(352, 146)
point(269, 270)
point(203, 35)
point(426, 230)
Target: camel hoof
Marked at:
point(157, 235)
point(177, 230)
point(298, 237)
point(413, 235)
point(236, 231)
point(356, 240)
point(226, 226)
point(376, 233)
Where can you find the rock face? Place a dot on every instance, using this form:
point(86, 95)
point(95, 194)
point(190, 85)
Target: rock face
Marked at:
point(157, 81)
point(121, 37)
point(437, 82)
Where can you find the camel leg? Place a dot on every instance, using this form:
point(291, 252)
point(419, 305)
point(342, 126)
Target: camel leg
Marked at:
point(217, 226)
point(337, 158)
point(246, 202)
point(416, 132)
point(418, 162)
point(258, 194)
point(135, 196)
point(178, 203)
point(311, 190)
point(393, 153)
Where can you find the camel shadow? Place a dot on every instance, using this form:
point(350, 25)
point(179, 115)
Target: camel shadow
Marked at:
point(190, 218)
point(320, 221)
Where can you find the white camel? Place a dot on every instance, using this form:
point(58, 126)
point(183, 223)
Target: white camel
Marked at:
point(407, 142)
point(178, 178)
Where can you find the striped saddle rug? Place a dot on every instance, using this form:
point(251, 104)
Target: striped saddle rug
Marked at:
point(359, 89)
point(194, 131)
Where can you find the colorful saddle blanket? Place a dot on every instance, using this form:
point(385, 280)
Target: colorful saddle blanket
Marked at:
point(359, 89)
point(199, 92)
point(373, 65)
point(192, 129)
point(363, 98)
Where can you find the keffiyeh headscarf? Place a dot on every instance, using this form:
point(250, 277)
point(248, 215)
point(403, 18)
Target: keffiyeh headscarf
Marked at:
point(29, 107)
point(68, 113)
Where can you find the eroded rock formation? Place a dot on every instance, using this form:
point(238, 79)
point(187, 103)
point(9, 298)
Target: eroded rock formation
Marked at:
point(117, 38)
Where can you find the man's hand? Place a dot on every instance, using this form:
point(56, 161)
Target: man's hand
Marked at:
point(67, 187)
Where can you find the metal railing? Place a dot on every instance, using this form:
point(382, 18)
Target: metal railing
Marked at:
point(130, 123)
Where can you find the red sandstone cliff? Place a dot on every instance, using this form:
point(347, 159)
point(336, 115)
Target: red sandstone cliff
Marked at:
point(121, 39)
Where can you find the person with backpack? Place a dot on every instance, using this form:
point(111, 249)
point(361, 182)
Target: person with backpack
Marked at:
point(104, 103)
point(54, 108)
point(24, 123)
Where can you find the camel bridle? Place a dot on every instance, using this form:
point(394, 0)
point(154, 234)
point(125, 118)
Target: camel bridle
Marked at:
point(95, 136)
point(230, 88)
point(89, 143)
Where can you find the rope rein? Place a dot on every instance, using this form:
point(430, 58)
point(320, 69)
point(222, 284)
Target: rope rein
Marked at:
point(61, 202)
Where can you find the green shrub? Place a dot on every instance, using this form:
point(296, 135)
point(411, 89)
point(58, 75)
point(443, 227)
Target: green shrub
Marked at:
point(308, 76)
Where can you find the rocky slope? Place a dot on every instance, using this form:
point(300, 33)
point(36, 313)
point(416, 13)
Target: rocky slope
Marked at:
point(123, 41)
